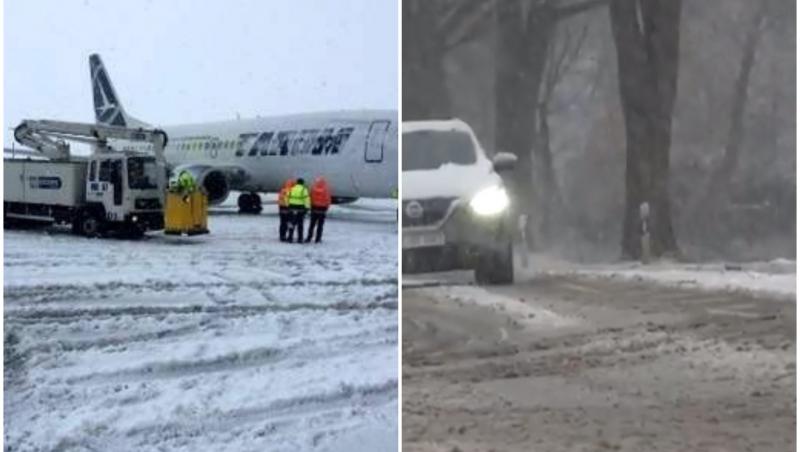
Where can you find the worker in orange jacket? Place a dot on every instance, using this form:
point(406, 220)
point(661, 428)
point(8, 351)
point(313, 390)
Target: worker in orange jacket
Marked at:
point(283, 210)
point(320, 201)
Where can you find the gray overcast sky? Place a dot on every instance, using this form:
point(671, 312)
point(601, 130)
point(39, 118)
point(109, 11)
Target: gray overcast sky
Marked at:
point(183, 61)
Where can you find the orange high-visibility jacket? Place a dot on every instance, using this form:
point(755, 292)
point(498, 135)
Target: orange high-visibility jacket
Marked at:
point(283, 195)
point(320, 194)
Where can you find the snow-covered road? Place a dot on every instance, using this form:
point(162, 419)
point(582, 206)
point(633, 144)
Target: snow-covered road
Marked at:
point(567, 362)
point(226, 342)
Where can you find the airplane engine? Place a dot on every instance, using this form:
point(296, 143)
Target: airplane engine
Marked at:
point(214, 181)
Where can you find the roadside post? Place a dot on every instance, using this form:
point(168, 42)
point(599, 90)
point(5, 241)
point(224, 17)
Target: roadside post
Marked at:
point(644, 216)
point(522, 226)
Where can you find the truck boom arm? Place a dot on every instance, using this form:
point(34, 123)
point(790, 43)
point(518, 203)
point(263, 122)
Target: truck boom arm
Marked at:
point(50, 137)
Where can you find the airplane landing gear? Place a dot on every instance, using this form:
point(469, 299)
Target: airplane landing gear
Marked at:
point(249, 203)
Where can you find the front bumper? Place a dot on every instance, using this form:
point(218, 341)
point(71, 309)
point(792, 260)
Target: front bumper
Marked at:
point(147, 220)
point(453, 238)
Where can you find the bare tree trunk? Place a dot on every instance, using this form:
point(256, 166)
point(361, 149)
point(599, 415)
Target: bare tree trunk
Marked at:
point(647, 35)
point(431, 29)
point(717, 189)
point(424, 87)
point(521, 59)
point(549, 194)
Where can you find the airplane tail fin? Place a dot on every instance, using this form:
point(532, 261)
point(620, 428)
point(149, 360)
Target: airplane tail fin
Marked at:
point(108, 109)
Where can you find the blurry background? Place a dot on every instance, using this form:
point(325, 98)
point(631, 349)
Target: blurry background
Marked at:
point(184, 61)
point(732, 184)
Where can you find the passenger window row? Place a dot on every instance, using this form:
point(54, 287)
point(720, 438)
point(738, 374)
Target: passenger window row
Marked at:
point(199, 145)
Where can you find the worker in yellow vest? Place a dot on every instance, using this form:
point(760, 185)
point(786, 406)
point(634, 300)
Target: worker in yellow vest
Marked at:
point(184, 184)
point(283, 210)
point(299, 203)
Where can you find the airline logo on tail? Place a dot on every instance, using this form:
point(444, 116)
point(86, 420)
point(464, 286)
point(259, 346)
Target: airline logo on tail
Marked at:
point(107, 109)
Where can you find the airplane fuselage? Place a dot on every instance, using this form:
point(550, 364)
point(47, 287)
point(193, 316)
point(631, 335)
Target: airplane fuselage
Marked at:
point(355, 151)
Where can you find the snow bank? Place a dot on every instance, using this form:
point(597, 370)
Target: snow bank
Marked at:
point(526, 312)
point(776, 278)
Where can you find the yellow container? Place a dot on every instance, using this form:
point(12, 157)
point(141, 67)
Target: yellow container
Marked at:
point(186, 215)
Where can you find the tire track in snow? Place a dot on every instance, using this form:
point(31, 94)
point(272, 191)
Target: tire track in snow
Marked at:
point(110, 341)
point(254, 357)
point(281, 417)
point(69, 291)
point(98, 313)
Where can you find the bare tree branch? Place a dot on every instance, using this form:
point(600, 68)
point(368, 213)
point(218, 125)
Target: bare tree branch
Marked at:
point(559, 60)
point(473, 26)
point(570, 9)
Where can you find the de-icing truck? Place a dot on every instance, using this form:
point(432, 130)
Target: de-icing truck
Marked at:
point(108, 191)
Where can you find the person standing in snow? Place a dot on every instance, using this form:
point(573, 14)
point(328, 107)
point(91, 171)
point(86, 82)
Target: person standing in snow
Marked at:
point(283, 210)
point(299, 203)
point(320, 201)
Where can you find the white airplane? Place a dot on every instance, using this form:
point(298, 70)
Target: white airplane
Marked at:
point(356, 151)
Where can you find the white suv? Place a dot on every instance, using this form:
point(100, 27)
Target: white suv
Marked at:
point(455, 208)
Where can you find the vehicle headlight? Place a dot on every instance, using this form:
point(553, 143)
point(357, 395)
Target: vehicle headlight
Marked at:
point(490, 201)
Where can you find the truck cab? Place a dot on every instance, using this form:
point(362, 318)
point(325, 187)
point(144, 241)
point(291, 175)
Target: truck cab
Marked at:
point(124, 187)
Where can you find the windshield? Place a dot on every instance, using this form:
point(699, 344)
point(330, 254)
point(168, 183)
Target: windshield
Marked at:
point(428, 149)
point(142, 173)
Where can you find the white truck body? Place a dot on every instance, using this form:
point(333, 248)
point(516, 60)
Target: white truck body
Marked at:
point(111, 191)
point(44, 182)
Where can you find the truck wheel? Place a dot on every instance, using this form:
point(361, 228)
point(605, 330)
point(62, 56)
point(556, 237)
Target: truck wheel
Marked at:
point(89, 225)
point(133, 231)
point(496, 267)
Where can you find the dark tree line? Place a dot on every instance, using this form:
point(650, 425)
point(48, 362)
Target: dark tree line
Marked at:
point(527, 58)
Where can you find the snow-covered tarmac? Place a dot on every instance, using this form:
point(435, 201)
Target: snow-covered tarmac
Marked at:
point(227, 342)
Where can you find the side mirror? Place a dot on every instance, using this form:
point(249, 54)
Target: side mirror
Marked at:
point(504, 161)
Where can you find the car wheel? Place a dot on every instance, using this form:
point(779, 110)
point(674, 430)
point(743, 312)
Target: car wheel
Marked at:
point(496, 267)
